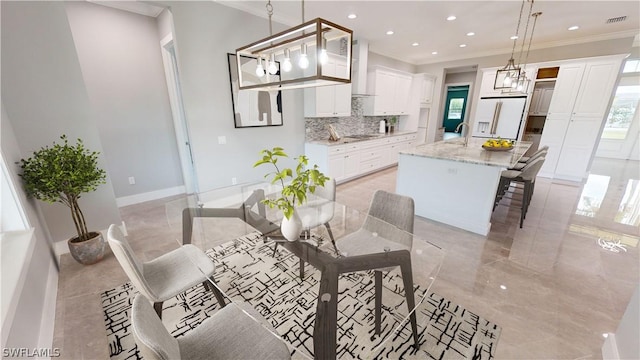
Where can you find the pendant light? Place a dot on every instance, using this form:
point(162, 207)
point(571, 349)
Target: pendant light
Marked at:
point(510, 73)
point(309, 44)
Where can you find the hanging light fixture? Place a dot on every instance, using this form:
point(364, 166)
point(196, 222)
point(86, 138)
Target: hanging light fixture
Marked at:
point(510, 73)
point(311, 44)
point(523, 82)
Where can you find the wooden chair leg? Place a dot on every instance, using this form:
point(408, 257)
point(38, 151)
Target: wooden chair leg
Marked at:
point(157, 306)
point(378, 300)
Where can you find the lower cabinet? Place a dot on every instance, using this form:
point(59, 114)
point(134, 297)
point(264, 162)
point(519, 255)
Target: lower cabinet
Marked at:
point(348, 161)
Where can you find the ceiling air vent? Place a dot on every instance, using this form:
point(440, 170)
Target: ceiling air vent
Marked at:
point(616, 19)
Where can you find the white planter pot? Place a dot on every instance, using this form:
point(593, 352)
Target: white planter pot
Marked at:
point(291, 228)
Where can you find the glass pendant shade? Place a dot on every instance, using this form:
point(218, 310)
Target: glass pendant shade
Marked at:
point(286, 62)
point(309, 45)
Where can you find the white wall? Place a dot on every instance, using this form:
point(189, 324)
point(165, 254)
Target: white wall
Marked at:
point(204, 33)
point(34, 315)
point(599, 48)
point(44, 96)
point(628, 331)
point(120, 57)
point(375, 59)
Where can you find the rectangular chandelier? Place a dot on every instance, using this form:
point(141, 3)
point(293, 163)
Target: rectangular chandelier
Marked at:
point(315, 53)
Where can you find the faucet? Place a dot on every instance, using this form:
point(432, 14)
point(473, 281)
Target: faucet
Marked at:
point(466, 138)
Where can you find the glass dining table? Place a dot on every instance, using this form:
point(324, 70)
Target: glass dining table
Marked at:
point(337, 292)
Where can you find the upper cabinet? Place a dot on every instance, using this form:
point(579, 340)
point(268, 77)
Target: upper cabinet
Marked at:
point(427, 83)
point(331, 100)
point(392, 91)
point(566, 89)
point(595, 92)
point(541, 98)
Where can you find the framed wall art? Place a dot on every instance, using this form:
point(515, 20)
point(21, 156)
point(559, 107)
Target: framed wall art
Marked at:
point(253, 108)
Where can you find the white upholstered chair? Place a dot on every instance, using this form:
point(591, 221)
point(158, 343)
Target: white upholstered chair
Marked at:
point(376, 236)
point(229, 334)
point(166, 276)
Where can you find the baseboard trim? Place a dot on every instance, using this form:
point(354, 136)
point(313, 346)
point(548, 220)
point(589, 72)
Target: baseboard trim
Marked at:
point(47, 325)
point(60, 247)
point(610, 348)
point(148, 196)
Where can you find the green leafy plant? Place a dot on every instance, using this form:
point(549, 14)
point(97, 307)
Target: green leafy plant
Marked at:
point(61, 173)
point(294, 191)
point(393, 120)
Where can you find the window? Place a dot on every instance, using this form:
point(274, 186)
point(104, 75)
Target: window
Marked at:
point(631, 66)
point(455, 108)
point(12, 217)
point(623, 109)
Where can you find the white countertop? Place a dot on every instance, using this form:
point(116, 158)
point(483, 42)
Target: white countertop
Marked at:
point(473, 153)
point(348, 140)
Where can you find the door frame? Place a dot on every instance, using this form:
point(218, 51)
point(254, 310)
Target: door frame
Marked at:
point(180, 125)
point(443, 104)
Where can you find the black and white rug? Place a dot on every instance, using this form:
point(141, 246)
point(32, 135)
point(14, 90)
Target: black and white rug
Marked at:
point(247, 271)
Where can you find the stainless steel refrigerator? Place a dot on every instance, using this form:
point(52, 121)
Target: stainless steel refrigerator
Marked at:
point(499, 117)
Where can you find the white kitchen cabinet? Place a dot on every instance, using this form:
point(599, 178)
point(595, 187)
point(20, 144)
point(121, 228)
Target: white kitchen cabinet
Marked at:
point(486, 86)
point(331, 100)
point(578, 108)
point(566, 89)
point(540, 100)
point(391, 92)
point(594, 93)
point(427, 83)
point(347, 161)
point(402, 92)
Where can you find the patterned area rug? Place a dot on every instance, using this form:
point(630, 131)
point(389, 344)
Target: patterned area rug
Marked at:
point(245, 271)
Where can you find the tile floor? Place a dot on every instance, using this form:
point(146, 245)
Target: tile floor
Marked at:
point(550, 286)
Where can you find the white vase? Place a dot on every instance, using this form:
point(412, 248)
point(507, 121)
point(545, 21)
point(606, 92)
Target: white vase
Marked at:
point(291, 228)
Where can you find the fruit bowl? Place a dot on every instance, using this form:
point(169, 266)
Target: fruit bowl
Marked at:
point(492, 148)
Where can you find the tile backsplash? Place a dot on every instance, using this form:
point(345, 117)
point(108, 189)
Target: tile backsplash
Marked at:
point(357, 123)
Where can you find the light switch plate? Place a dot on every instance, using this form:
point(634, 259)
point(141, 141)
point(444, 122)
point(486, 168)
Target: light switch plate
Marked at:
point(222, 140)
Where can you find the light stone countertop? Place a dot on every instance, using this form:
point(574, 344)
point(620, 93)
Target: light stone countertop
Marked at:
point(349, 140)
point(473, 153)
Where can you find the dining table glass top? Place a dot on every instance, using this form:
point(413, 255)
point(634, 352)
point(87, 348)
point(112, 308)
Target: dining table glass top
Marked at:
point(322, 293)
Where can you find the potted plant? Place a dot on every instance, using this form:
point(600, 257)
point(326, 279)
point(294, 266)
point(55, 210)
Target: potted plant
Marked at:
point(61, 173)
point(294, 191)
point(392, 124)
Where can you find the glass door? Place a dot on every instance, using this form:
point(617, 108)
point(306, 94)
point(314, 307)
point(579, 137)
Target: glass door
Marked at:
point(455, 107)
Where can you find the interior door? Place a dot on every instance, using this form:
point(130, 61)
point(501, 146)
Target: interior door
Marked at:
point(455, 107)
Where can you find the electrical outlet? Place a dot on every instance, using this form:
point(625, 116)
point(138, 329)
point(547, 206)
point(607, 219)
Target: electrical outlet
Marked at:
point(452, 171)
point(132, 180)
point(234, 181)
point(222, 140)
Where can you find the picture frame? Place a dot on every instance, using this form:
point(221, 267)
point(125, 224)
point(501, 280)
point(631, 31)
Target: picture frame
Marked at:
point(253, 108)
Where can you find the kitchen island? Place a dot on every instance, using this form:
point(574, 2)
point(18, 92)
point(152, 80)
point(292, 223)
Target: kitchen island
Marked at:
point(455, 184)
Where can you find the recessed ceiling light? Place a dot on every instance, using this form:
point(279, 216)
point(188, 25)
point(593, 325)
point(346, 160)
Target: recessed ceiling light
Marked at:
point(390, 32)
point(513, 37)
point(415, 44)
point(471, 33)
point(503, 287)
point(463, 45)
point(451, 18)
point(352, 16)
point(574, 27)
point(434, 53)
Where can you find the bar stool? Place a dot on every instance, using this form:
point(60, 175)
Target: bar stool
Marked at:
point(526, 159)
point(527, 177)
